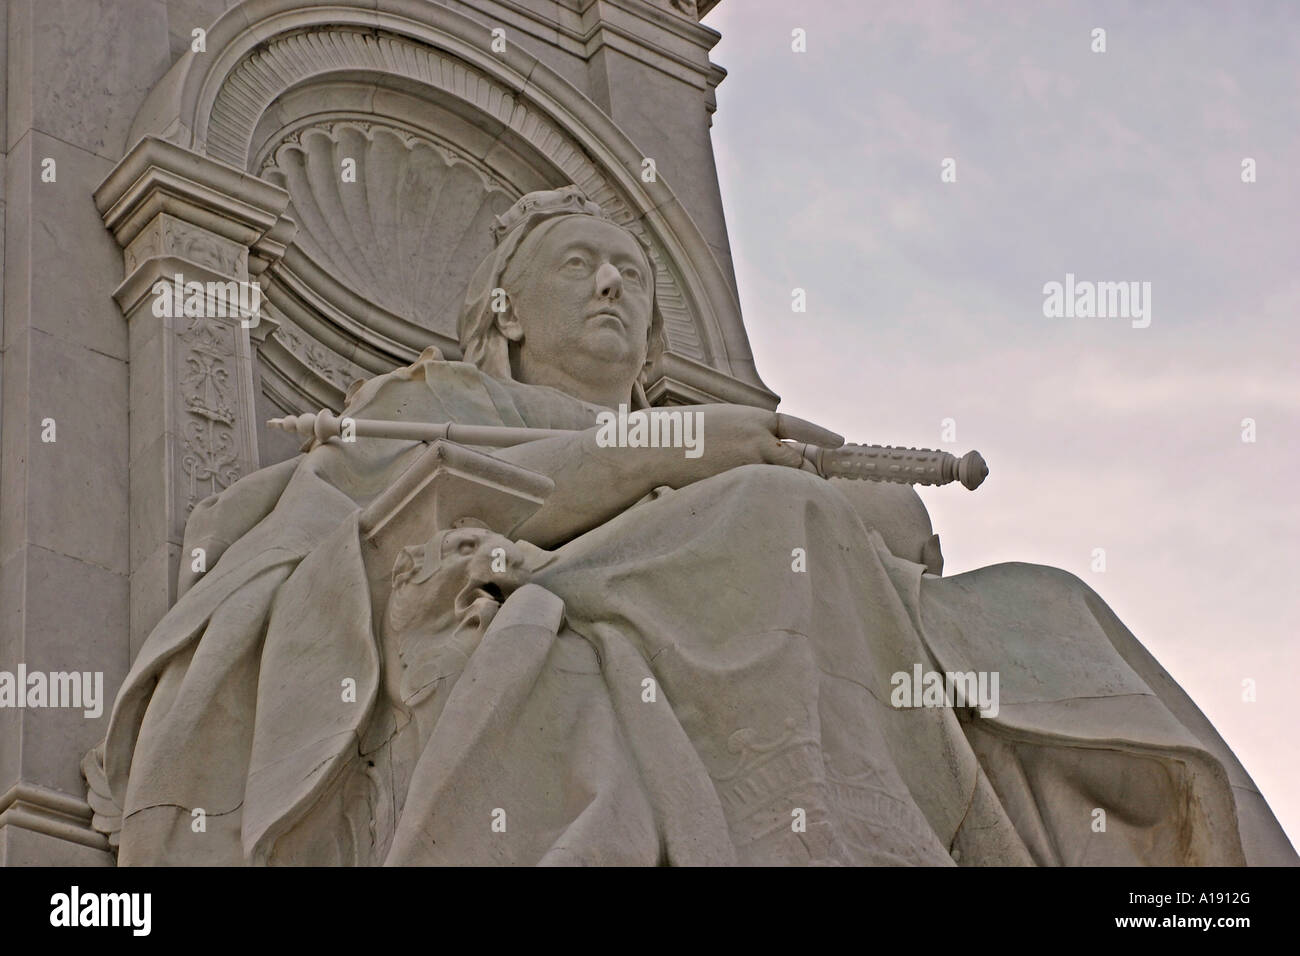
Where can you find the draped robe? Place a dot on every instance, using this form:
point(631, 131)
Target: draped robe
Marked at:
point(667, 689)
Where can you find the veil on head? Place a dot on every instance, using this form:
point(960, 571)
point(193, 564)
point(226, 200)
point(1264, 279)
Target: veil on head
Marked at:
point(481, 342)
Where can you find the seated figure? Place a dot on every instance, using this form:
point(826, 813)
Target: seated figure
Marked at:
point(640, 673)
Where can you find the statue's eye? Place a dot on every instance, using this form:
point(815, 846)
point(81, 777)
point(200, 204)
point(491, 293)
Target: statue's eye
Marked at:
point(631, 274)
point(576, 264)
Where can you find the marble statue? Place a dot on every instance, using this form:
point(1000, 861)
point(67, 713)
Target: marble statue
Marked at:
point(567, 652)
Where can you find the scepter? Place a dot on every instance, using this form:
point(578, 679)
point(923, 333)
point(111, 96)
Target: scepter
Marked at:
point(891, 463)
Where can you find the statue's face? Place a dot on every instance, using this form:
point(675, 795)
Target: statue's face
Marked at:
point(484, 564)
point(582, 303)
point(474, 571)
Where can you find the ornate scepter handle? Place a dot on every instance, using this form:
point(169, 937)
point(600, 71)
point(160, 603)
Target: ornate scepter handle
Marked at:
point(905, 466)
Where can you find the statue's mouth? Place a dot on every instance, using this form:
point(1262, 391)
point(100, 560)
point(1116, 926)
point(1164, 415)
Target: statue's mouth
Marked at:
point(605, 316)
point(476, 591)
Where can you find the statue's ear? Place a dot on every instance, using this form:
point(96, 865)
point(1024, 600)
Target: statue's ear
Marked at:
point(408, 563)
point(509, 324)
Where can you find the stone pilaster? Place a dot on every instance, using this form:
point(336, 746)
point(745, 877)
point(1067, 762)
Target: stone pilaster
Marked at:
point(183, 219)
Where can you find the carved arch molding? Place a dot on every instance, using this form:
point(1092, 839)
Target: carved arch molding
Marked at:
point(442, 134)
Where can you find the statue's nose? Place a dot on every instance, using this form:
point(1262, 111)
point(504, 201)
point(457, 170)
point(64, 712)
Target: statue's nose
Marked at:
point(609, 282)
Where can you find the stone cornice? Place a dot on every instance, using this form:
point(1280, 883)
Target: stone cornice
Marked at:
point(656, 34)
point(652, 16)
point(48, 811)
point(676, 46)
point(156, 176)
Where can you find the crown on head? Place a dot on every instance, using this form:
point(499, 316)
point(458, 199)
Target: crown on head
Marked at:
point(543, 204)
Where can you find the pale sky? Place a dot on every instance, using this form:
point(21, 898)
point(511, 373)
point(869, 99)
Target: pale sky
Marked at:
point(925, 299)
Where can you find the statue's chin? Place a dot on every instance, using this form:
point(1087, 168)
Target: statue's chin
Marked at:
point(606, 349)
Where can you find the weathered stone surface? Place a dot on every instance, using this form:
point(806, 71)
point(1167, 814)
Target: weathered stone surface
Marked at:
point(80, 477)
point(59, 238)
point(83, 67)
point(60, 636)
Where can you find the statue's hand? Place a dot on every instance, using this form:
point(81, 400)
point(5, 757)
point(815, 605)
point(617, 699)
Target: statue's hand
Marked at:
point(736, 435)
point(596, 480)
